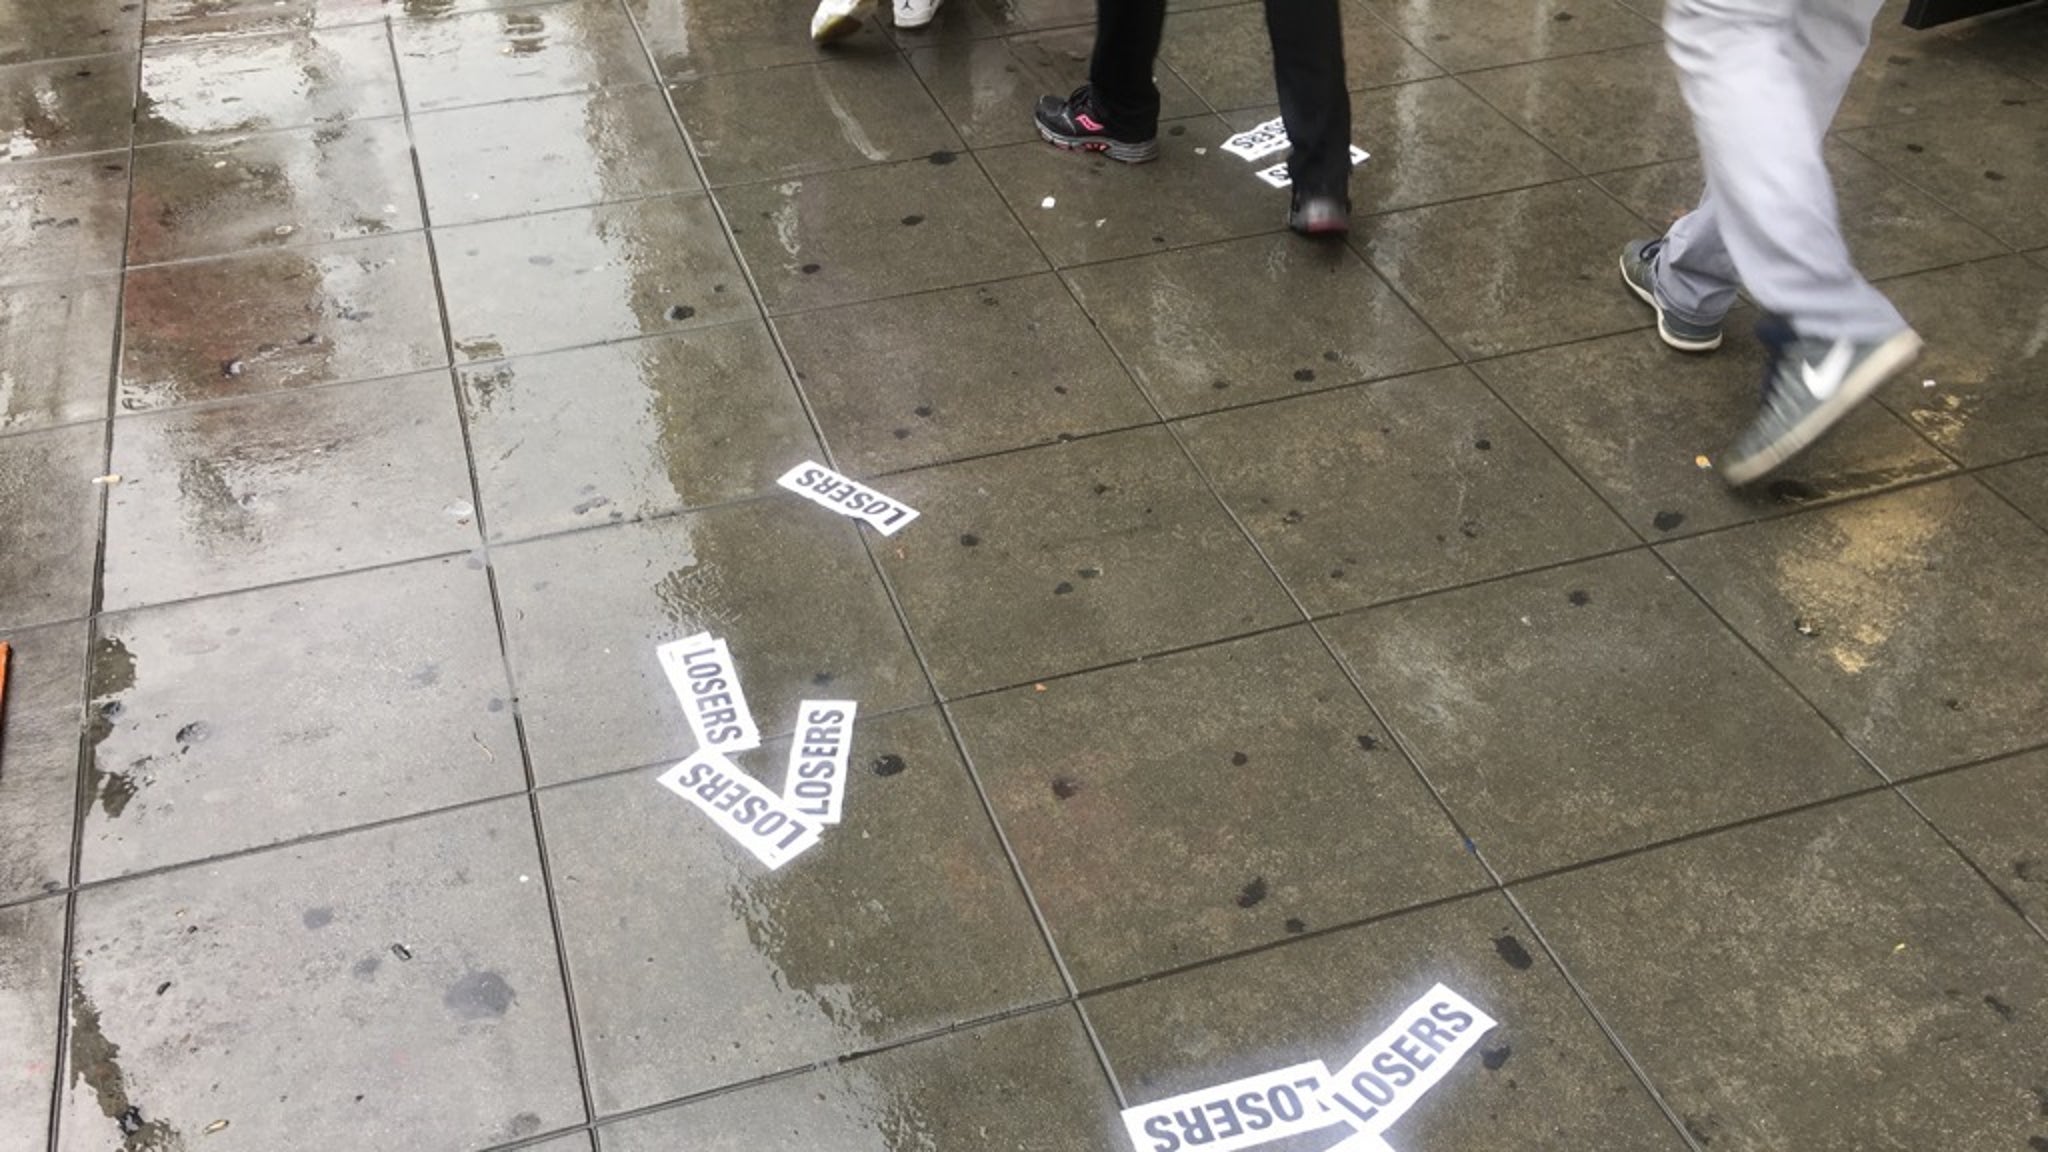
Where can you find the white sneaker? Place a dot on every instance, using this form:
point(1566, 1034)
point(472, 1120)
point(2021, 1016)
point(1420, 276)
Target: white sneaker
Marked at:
point(915, 13)
point(838, 19)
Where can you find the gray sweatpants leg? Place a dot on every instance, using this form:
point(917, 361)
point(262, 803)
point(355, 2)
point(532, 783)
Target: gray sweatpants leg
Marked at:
point(1763, 79)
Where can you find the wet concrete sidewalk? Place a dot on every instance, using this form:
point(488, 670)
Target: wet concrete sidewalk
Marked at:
point(1287, 629)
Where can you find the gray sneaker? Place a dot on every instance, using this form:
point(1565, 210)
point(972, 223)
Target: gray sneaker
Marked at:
point(1638, 271)
point(1808, 386)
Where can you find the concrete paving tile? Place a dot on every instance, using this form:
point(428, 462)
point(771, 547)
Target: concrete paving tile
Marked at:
point(64, 107)
point(890, 399)
point(904, 920)
point(1996, 814)
point(1397, 488)
point(220, 725)
point(1074, 13)
point(390, 987)
point(630, 430)
point(183, 21)
point(987, 88)
point(509, 53)
point(57, 341)
point(1185, 808)
point(1103, 210)
point(283, 487)
point(1990, 166)
point(270, 321)
point(1225, 55)
point(52, 510)
point(1600, 112)
point(62, 219)
point(1228, 324)
point(1070, 557)
point(1918, 77)
point(1633, 418)
point(1892, 228)
point(1030, 1083)
point(1544, 1079)
point(56, 31)
point(31, 991)
point(1742, 969)
point(786, 122)
point(584, 612)
point(1589, 710)
point(1470, 34)
point(230, 194)
point(234, 85)
point(1433, 141)
point(586, 275)
point(1921, 608)
point(499, 160)
point(1509, 272)
point(2025, 484)
point(38, 792)
point(1980, 322)
point(887, 230)
point(690, 40)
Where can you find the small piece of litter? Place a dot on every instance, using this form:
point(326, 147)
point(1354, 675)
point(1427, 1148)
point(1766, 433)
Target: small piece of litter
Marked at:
point(1899, 947)
point(1806, 627)
point(109, 478)
point(220, 163)
point(1047, 202)
point(391, 209)
point(460, 510)
point(1702, 462)
point(1927, 383)
point(401, 951)
point(216, 1126)
point(1100, 223)
point(284, 229)
point(525, 879)
point(1201, 151)
point(1038, 687)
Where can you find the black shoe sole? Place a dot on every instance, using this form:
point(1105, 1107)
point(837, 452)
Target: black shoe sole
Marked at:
point(1141, 152)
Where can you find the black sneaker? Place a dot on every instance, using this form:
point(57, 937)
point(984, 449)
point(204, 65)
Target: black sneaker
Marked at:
point(1320, 215)
point(1809, 385)
point(1075, 123)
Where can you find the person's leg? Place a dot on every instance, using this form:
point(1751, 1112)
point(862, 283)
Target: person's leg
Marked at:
point(1117, 112)
point(1694, 274)
point(1127, 36)
point(1308, 71)
point(1762, 78)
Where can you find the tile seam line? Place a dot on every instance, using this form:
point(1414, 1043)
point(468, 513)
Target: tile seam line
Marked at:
point(386, 823)
point(238, 36)
point(68, 982)
point(866, 542)
point(578, 1055)
point(1958, 473)
point(1048, 940)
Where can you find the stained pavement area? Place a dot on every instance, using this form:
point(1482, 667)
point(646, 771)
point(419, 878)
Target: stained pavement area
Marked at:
point(1287, 628)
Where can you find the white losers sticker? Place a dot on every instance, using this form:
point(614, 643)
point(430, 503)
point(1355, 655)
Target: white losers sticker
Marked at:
point(1255, 1110)
point(822, 486)
point(744, 807)
point(1277, 175)
point(1264, 140)
point(700, 669)
point(816, 784)
point(1392, 1072)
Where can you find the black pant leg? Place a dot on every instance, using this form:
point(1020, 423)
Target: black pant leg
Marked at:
point(1308, 70)
point(1126, 42)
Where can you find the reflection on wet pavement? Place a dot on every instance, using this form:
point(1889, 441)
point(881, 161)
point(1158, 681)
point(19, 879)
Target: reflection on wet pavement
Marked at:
point(1286, 628)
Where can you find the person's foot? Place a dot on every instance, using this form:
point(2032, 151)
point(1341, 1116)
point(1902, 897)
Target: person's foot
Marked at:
point(838, 19)
point(1320, 215)
point(1639, 272)
point(1076, 123)
point(915, 13)
point(1809, 385)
